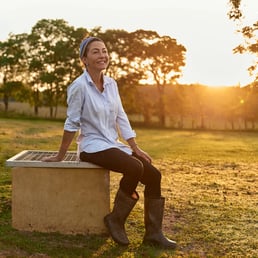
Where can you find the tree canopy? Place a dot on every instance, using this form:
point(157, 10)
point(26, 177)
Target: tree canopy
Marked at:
point(47, 60)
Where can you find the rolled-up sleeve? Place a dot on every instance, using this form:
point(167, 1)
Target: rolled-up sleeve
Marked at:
point(75, 99)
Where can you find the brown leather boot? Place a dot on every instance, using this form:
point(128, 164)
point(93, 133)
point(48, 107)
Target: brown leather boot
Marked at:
point(153, 217)
point(115, 221)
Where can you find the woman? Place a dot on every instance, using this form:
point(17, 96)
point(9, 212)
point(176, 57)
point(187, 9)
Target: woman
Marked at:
point(95, 108)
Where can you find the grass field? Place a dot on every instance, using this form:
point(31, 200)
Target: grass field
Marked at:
point(209, 181)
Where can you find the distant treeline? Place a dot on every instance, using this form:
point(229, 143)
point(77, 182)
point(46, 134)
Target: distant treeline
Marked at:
point(199, 107)
point(186, 107)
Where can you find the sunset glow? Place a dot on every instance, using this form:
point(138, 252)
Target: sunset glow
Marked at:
point(201, 26)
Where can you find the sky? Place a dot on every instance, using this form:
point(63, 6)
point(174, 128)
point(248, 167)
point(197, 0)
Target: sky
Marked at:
point(202, 26)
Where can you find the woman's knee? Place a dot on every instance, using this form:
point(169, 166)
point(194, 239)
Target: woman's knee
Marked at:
point(136, 169)
point(151, 176)
point(158, 175)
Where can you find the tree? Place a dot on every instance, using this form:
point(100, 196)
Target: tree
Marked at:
point(234, 12)
point(250, 34)
point(143, 55)
point(163, 63)
point(250, 45)
point(12, 66)
point(139, 55)
point(53, 60)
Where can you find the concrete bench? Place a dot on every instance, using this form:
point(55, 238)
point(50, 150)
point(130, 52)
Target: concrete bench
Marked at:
point(70, 197)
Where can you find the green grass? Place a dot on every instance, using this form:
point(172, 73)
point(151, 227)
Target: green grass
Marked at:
point(209, 181)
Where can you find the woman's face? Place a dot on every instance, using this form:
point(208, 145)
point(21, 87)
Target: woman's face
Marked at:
point(96, 57)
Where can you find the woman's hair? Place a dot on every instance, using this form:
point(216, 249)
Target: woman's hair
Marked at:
point(84, 46)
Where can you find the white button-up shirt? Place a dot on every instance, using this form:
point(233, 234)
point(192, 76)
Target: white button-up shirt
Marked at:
point(99, 116)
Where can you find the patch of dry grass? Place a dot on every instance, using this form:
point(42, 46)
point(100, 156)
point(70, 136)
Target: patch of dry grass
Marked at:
point(212, 208)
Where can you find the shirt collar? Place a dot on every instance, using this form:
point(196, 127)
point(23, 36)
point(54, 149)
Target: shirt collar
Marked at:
point(90, 81)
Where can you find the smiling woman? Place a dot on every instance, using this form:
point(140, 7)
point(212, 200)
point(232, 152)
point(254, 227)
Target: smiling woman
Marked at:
point(95, 110)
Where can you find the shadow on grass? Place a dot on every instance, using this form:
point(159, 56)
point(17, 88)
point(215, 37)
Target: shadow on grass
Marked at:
point(14, 243)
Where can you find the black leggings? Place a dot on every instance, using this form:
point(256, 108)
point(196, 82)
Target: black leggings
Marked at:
point(134, 169)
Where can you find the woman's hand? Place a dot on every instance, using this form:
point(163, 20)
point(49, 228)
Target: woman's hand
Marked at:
point(51, 159)
point(141, 153)
point(137, 150)
point(66, 141)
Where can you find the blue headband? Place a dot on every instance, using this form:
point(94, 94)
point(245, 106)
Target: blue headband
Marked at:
point(84, 45)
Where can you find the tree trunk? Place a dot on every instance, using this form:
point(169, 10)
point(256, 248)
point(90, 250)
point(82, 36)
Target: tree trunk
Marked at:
point(36, 110)
point(6, 102)
point(51, 111)
point(161, 106)
point(36, 102)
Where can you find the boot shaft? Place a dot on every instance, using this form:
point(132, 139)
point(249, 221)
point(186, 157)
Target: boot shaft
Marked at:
point(123, 204)
point(153, 217)
point(153, 213)
point(115, 221)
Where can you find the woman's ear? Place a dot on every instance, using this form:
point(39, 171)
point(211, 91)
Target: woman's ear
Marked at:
point(84, 60)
